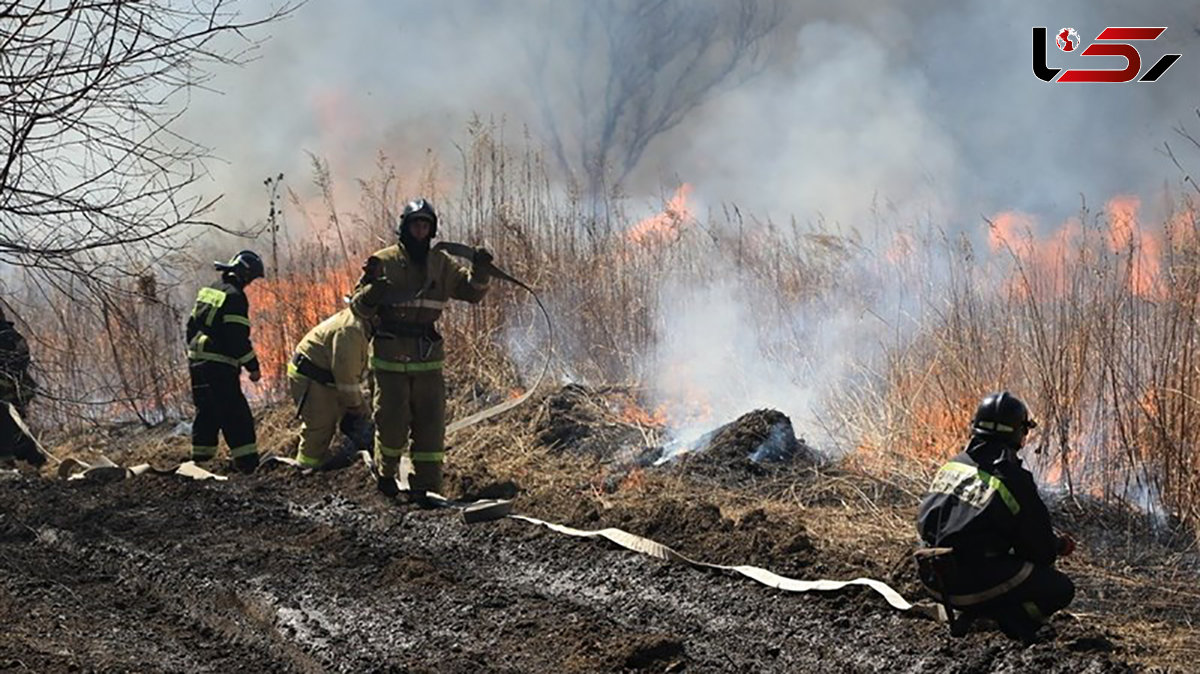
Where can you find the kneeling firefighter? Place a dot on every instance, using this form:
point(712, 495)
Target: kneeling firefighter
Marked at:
point(326, 379)
point(990, 546)
point(407, 354)
point(218, 334)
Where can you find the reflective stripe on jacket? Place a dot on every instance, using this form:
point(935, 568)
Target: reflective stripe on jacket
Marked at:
point(983, 503)
point(406, 340)
point(219, 328)
point(339, 344)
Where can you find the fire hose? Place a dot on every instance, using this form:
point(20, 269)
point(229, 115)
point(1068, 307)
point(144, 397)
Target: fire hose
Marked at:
point(481, 511)
point(15, 415)
point(464, 251)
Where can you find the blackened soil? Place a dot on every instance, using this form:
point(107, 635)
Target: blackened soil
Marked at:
point(573, 419)
point(750, 446)
point(281, 572)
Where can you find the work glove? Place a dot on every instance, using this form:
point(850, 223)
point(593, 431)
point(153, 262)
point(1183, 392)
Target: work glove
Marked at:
point(1066, 544)
point(255, 375)
point(352, 420)
point(372, 270)
point(481, 263)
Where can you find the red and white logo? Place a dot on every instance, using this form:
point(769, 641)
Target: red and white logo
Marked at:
point(1112, 41)
point(1067, 39)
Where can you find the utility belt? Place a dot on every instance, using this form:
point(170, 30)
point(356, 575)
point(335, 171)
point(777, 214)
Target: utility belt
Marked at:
point(303, 366)
point(393, 328)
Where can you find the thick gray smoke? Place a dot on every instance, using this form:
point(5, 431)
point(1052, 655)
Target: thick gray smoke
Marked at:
point(927, 109)
point(865, 116)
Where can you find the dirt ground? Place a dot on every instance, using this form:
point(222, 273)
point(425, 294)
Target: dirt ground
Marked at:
point(289, 572)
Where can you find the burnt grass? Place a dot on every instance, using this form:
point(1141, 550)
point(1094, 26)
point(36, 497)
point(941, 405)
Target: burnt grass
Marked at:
point(289, 572)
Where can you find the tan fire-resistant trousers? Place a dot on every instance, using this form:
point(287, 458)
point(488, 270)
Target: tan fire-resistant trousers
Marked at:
point(319, 416)
point(411, 405)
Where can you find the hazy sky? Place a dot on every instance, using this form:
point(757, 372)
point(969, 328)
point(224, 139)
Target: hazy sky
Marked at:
point(930, 110)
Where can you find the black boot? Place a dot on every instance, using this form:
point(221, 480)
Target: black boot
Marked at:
point(246, 464)
point(1016, 623)
point(387, 486)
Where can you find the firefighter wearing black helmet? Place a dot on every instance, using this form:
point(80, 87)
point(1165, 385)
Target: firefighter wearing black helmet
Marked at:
point(407, 354)
point(984, 518)
point(219, 347)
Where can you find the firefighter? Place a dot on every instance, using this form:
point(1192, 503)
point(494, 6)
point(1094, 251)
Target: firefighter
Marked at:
point(991, 548)
point(326, 378)
point(17, 390)
point(409, 404)
point(218, 334)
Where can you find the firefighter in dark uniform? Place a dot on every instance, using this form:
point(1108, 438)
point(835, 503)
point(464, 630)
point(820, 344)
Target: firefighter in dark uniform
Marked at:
point(407, 353)
point(218, 334)
point(17, 389)
point(990, 545)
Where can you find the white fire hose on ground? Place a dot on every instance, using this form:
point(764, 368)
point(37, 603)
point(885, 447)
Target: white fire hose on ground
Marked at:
point(493, 509)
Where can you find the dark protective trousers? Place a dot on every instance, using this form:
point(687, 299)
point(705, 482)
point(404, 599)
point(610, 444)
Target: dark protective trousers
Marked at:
point(14, 442)
point(221, 409)
point(1020, 610)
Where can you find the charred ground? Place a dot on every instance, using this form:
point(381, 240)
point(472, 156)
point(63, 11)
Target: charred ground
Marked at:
point(282, 571)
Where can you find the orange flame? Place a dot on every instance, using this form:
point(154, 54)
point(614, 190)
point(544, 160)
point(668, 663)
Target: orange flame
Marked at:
point(667, 226)
point(1144, 247)
point(284, 308)
point(637, 416)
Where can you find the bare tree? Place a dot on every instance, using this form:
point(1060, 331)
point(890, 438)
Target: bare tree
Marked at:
point(97, 189)
point(636, 69)
point(88, 94)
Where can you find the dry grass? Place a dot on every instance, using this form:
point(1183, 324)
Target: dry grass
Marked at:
point(1095, 326)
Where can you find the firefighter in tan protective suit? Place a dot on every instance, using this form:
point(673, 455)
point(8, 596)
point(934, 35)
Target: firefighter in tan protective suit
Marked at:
point(326, 374)
point(409, 404)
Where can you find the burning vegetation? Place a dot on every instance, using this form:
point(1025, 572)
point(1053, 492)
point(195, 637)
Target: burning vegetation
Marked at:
point(1092, 322)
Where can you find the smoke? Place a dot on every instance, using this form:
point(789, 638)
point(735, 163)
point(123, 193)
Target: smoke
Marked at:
point(926, 110)
point(866, 116)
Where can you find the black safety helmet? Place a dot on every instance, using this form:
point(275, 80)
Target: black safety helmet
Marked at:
point(1002, 415)
point(246, 266)
point(415, 210)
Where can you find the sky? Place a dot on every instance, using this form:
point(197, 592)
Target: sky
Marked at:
point(927, 111)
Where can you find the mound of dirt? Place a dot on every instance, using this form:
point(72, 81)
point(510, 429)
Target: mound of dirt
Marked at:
point(574, 420)
point(748, 445)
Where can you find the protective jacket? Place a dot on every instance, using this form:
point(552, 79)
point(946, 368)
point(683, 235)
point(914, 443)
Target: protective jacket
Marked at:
point(985, 506)
point(16, 386)
point(334, 354)
point(218, 330)
point(407, 340)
